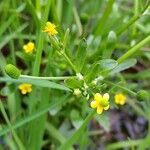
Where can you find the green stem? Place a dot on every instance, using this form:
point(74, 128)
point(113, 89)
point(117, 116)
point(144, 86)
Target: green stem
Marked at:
point(54, 132)
point(47, 78)
point(101, 24)
point(18, 141)
point(119, 86)
point(33, 13)
point(130, 102)
point(78, 22)
point(69, 61)
point(133, 50)
point(124, 144)
point(54, 41)
point(131, 21)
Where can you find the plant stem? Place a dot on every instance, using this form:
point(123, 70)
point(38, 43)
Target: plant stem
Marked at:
point(130, 102)
point(77, 19)
point(18, 141)
point(131, 21)
point(47, 78)
point(101, 24)
point(131, 51)
point(69, 61)
point(119, 86)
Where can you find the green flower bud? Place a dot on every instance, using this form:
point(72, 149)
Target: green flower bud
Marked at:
point(84, 18)
point(12, 71)
point(104, 102)
point(142, 95)
point(112, 38)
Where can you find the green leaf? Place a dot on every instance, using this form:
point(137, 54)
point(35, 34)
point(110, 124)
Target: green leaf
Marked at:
point(73, 83)
point(7, 38)
point(76, 119)
point(55, 133)
point(24, 56)
point(124, 65)
point(36, 82)
point(107, 64)
point(77, 133)
point(103, 120)
point(92, 72)
point(81, 55)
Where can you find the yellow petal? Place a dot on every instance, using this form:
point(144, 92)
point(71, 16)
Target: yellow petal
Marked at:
point(120, 99)
point(122, 102)
point(106, 96)
point(23, 91)
point(93, 104)
point(99, 109)
point(20, 87)
point(29, 89)
point(25, 47)
point(97, 97)
point(106, 108)
point(116, 101)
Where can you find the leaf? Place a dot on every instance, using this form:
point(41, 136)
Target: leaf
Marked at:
point(24, 56)
point(36, 82)
point(31, 117)
point(107, 64)
point(73, 83)
point(103, 120)
point(7, 38)
point(124, 65)
point(76, 119)
point(81, 55)
point(92, 72)
point(77, 133)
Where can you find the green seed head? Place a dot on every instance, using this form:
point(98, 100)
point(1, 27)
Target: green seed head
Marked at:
point(12, 71)
point(142, 95)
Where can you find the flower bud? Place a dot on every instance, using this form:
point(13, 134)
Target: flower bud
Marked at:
point(12, 71)
point(142, 95)
point(84, 18)
point(77, 92)
point(112, 38)
point(79, 76)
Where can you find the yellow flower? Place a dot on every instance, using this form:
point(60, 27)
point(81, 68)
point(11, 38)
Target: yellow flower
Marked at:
point(100, 102)
point(120, 99)
point(25, 88)
point(50, 28)
point(29, 47)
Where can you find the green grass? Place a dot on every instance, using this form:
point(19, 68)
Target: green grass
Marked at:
point(103, 42)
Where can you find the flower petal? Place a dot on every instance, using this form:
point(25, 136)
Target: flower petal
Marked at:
point(106, 96)
point(106, 108)
point(97, 97)
point(99, 109)
point(122, 102)
point(93, 104)
point(23, 92)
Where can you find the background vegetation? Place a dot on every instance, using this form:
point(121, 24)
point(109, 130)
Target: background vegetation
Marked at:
point(99, 38)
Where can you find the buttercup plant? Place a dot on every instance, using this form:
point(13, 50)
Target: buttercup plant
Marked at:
point(50, 106)
point(120, 99)
point(25, 88)
point(100, 102)
point(29, 47)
